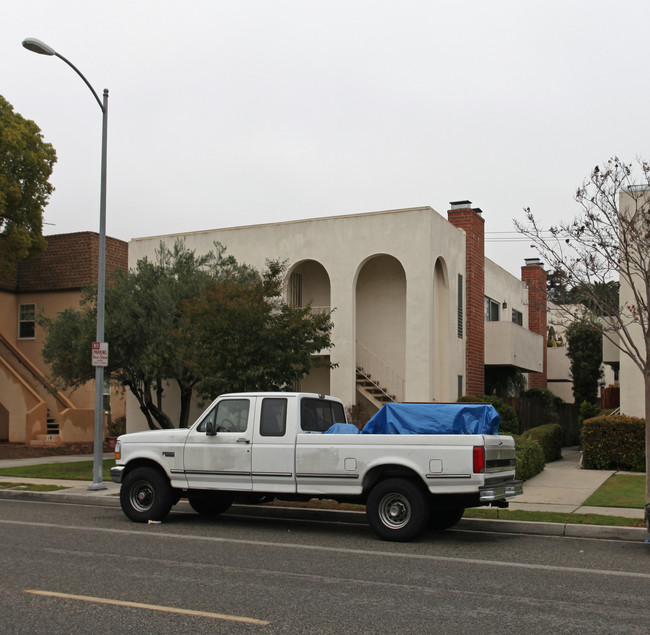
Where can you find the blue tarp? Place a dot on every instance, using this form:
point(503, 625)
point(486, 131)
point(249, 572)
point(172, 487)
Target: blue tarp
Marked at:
point(342, 428)
point(434, 418)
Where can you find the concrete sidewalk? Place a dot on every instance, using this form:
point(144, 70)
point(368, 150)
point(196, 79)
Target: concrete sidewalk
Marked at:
point(562, 487)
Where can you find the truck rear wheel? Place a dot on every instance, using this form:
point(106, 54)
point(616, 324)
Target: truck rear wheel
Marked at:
point(146, 495)
point(445, 518)
point(397, 509)
point(209, 504)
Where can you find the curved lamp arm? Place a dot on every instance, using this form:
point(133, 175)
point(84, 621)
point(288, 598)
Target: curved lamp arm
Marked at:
point(32, 44)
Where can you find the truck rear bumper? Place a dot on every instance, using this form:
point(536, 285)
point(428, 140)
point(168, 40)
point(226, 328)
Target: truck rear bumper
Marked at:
point(499, 491)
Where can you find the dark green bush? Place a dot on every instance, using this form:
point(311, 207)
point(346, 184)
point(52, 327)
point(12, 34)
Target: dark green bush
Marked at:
point(587, 411)
point(549, 436)
point(549, 402)
point(529, 456)
point(616, 442)
point(509, 420)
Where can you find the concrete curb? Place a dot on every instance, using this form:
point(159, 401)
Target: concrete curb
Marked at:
point(604, 532)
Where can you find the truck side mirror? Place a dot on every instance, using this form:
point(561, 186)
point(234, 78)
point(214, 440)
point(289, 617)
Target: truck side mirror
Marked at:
point(210, 428)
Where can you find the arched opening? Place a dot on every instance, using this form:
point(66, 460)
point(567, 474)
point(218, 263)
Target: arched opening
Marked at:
point(309, 284)
point(440, 336)
point(381, 330)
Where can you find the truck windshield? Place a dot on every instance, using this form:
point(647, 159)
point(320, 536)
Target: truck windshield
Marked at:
point(317, 415)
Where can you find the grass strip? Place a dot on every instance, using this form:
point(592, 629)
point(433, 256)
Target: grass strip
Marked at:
point(32, 487)
point(73, 471)
point(554, 517)
point(620, 490)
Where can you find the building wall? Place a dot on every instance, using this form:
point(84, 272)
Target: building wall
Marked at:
point(392, 278)
point(52, 281)
point(380, 268)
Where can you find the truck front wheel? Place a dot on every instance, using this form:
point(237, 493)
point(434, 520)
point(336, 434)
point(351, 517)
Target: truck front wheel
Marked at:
point(397, 509)
point(146, 495)
point(209, 504)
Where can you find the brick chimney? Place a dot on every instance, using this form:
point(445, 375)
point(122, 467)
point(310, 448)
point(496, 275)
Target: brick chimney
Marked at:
point(462, 215)
point(533, 274)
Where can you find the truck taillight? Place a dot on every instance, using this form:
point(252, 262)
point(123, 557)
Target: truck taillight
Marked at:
point(478, 456)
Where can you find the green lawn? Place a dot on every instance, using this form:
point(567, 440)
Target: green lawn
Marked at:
point(31, 487)
point(620, 490)
point(74, 471)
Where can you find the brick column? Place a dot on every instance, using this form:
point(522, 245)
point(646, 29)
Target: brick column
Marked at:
point(534, 276)
point(461, 215)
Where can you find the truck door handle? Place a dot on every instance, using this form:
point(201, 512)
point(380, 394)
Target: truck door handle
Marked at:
point(242, 440)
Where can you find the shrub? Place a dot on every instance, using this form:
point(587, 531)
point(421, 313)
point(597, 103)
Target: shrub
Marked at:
point(529, 456)
point(587, 411)
point(509, 420)
point(549, 437)
point(549, 402)
point(616, 442)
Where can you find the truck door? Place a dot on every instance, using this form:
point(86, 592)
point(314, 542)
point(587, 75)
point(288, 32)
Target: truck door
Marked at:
point(273, 446)
point(222, 461)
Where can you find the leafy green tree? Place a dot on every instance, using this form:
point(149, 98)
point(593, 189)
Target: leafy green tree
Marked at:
point(241, 335)
point(26, 163)
point(159, 332)
point(585, 352)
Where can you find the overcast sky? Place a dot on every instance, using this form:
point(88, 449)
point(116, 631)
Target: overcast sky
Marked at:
point(236, 112)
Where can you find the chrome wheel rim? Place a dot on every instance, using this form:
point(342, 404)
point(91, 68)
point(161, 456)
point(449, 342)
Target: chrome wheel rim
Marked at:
point(394, 511)
point(142, 496)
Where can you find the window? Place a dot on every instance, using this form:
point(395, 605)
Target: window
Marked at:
point(460, 306)
point(460, 386)
point(491, 310)
point(26, 321)
point(517, 317)
point(317, 415)
point(273, 421)
point(230, 415)
point(295, 290)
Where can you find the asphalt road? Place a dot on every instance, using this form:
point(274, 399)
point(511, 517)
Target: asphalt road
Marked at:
point(83, 569)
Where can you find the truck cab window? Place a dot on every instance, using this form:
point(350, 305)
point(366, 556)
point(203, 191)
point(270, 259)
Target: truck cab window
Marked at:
point(317, 415)
point(230, 415)
point(273, 420)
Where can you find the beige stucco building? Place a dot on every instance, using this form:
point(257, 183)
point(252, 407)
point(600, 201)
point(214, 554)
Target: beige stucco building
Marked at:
point(419, 310)
point(32, 410)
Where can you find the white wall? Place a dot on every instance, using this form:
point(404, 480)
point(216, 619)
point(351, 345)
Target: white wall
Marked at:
point(407, 243)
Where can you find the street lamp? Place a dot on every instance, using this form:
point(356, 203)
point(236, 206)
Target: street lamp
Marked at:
point(37, 46)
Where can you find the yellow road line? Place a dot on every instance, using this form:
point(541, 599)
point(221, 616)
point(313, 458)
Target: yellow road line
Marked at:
point(150, 607)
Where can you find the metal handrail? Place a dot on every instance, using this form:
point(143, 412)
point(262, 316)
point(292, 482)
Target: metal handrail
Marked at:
point(375, 370)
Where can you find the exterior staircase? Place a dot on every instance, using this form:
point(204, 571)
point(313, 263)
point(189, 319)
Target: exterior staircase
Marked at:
point(376, 380)
point(45, 402)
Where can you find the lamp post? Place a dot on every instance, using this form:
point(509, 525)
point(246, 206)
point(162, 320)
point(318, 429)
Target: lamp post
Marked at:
point(37, 46)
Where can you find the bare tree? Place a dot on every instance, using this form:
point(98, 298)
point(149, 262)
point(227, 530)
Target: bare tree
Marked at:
point(605, 242)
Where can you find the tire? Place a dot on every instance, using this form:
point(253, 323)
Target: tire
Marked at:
point(442, 519)
point(398, 509)
point(209, 504)
point(146, 495)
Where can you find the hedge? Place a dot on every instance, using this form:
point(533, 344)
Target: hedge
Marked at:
point(509, 421)
point(549, 436)
point(529, 456)
point(616, 442)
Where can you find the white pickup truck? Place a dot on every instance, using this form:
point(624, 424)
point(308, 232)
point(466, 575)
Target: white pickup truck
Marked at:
point(255, 447)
